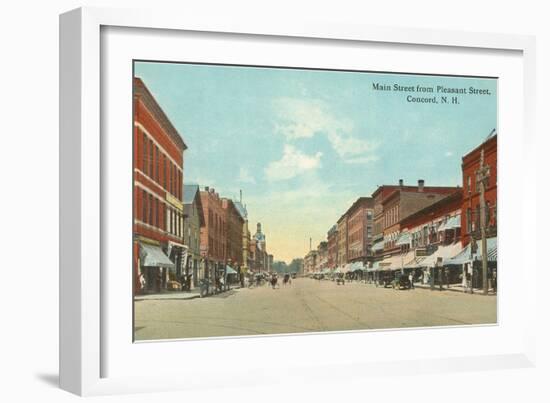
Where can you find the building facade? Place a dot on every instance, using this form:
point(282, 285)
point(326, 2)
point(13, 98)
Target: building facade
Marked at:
point(310, 262)
point(159, 252)
point(436, 224)
point(342, 228)
point(192, 224)
point(471, 207)
point(245, 234)
point(360, 230)
point(322, 256)
point(234, 234)
point(259, 250)
point(402, 202)
point(213, 233)
point(332, 246)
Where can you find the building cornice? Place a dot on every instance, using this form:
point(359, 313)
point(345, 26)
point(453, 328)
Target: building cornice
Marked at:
point(142, 92)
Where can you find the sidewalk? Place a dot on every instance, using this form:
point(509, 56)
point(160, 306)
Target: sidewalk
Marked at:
point(195, 293)
point(454, 288)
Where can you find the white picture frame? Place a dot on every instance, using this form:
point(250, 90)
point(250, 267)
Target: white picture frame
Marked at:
point(85, 346)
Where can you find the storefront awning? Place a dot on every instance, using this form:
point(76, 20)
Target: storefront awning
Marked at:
point(378, 246)
point(357, 266)
point(153, 256)
point(404, 239)
point(465, 255)
point(229, 270)
point(375, 267)
point(396, 262)
point(415, 263)
point(443, 252)
point(451, 224)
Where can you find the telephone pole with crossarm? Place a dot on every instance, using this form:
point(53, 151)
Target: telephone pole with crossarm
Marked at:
point(482, 177)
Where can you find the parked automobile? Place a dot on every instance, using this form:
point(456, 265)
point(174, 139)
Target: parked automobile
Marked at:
point(386, 278)
point(401, 281)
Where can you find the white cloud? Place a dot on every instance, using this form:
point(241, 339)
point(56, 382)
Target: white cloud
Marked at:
point(292, 163)
point(362, 160)
point(298, 118)
point(245, 176)
point(449, 154)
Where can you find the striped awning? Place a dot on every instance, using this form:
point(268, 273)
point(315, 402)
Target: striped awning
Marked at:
point(443, 252)
point(465, 255)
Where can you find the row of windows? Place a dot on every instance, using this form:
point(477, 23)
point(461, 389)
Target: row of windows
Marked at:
point(216, 223)
point(215, 247)
point(157, 214)
point(472, 184)
point(473, 218)
point(391, 216)
point(157, 166)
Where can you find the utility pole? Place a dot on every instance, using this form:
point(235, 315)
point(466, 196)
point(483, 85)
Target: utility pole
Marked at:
point(482, 177)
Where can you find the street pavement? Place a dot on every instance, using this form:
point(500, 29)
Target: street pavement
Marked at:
point(308, 305)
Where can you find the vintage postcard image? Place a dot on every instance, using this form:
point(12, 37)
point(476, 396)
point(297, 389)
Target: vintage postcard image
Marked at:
point(273, 200)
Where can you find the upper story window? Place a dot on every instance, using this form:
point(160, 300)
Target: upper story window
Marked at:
point(144, 153)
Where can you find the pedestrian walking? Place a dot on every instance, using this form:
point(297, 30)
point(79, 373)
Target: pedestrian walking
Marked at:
point(411, 278)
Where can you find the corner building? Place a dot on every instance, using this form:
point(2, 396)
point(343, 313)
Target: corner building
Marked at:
point(158, 249)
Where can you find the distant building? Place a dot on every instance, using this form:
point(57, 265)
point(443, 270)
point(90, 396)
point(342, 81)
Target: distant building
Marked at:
point(234, 234)
point(342, 229)
point(213, 233)
point(322, 256)
point(259, 250)
point(241, 208)
point(310, 262)
point(332, 246)
point(359, 230)
point(269, 262)
point(194, 221)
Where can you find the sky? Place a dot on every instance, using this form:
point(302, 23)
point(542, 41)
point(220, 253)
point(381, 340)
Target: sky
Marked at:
point(302, 145)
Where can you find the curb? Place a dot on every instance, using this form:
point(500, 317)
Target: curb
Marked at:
point(460, 290)
point(174, 297)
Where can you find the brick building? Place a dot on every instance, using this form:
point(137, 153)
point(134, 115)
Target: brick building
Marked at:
point(436, 224)
point(471, 202)
point(360, 230)
point(378, 220)
point(332, 246)
point(234, 234)
point(403, 201)
point(158, 194)
point(342, 229)
point(213, 233)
